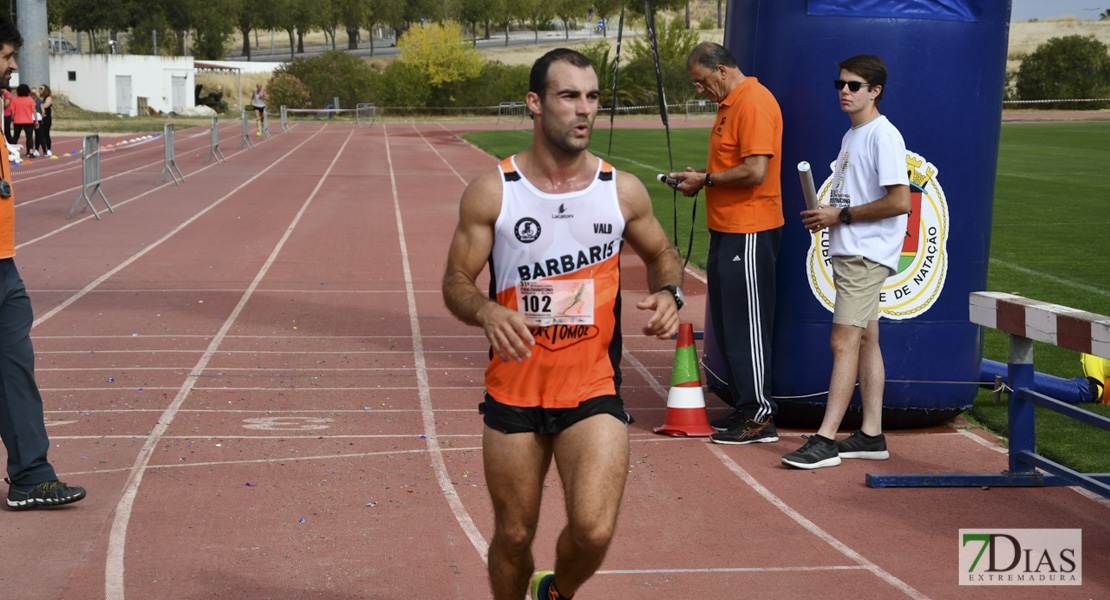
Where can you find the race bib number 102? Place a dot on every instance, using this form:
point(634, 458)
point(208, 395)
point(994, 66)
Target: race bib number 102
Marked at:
point(557, 302)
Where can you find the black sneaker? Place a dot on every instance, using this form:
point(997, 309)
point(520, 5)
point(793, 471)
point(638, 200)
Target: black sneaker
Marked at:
point(47, 493)
point(817, 452)
point(749, 431)
point(733, 420)
point(861, 445)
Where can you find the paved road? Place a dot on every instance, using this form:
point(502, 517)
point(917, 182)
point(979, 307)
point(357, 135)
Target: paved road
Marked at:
point(385, 48)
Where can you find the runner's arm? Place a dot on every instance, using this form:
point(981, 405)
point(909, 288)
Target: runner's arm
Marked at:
point(645, 235)
point(507, 330)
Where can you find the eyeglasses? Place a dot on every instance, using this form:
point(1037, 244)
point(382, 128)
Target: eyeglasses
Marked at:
point(852, 85)
point(700, 83)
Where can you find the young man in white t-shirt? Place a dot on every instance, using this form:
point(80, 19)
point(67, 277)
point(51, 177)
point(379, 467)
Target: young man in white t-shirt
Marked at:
point(866, 218)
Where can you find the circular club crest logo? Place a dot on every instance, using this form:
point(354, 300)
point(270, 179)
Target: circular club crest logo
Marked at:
point(527, 230)
point(923, 265)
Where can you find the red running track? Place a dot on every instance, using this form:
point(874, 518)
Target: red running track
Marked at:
point(254, 376)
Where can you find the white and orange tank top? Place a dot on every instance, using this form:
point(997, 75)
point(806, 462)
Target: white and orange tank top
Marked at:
point(556, 259)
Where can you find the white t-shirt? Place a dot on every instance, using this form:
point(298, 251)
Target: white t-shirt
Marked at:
point(871, 156)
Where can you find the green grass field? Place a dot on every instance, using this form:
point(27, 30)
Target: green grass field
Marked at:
point(1050, 240)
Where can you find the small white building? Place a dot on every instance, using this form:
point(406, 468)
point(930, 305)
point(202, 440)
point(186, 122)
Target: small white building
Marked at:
point(123, 84)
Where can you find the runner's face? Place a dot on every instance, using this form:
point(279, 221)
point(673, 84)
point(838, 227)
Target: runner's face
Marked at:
point(7, 64)
point(570, 106)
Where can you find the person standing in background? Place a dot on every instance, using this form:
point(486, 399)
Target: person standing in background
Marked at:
point(866, 218)
point(743, 200)
point(23, 115)
point(43, 143)
point(8, 116)
point(32, 482)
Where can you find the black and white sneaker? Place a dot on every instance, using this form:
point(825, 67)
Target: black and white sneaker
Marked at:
point(817, 452)
point(733, 420)
point(41, 495)
point(861, 445)
point(749, 431)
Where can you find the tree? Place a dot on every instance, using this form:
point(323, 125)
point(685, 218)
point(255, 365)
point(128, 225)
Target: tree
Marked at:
point(536, 12)
point(1071, 67)
point(213, 24)
point(473, 12)
point(381, 12)
point(328, 18)
point(440, 53)
point(603, 10)
point(351, 13)
point(247, 21)
point(569, 10)
point(284, 17)
point(95, 17)
point(675, 43)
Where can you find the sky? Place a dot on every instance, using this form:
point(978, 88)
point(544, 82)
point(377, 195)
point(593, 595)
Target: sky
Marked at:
point(1023, 10)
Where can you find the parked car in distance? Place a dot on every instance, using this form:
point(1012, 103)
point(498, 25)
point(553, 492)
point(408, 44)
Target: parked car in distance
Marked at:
point(60, 46)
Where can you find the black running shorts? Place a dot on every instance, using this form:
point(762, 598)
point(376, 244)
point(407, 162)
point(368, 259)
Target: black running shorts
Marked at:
point(513, 419)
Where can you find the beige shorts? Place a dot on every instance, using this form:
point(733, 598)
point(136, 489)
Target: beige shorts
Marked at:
point(858, 282)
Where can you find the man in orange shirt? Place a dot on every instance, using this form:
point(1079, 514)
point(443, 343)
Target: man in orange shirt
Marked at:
point(31, 479)
point(744, 215)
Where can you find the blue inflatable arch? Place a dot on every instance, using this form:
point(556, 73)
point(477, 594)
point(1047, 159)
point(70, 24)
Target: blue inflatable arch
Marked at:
point(946, 61)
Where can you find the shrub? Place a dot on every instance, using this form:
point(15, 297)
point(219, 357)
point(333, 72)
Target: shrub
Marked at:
point(401, 84)
point(333, 74)
point(286, 90)
point(440, 53)
point(496, 83)
point(1070, 67)
point(675, 45)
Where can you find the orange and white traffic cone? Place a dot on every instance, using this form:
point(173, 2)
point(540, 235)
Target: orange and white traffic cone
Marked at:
point(686, 402)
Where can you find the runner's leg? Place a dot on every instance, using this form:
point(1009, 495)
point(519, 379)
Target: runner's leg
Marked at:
point(592, 458)
point(515, 465)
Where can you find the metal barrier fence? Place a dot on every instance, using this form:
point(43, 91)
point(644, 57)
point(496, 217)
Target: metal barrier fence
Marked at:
point(245, 139)
point(285, 119)
point(214, 148)
point(1027, 321)
point(365, 111)
point(507, 110)
point(90, 175)
point(169, 165)
point(700, 107)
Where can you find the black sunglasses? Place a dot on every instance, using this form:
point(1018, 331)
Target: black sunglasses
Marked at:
point(5, 189)
point(852, 85)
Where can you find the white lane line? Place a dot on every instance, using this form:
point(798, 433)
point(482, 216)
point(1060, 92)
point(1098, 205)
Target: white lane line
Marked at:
point(782, 506)
point(734, 570)
point(114, 585)
point(449, 165)
point(432, 440)
point(96, 282)
point(812, 527)
point(1079, 286)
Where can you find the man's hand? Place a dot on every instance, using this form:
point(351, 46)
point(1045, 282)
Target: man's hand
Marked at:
point(663, 323)
point(509, 332)
point(821, 218)
point(692, 181)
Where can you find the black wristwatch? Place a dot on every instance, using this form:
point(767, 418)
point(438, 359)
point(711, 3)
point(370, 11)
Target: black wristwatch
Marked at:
point(846, 216)
point(708, 181)
point(679, 299)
